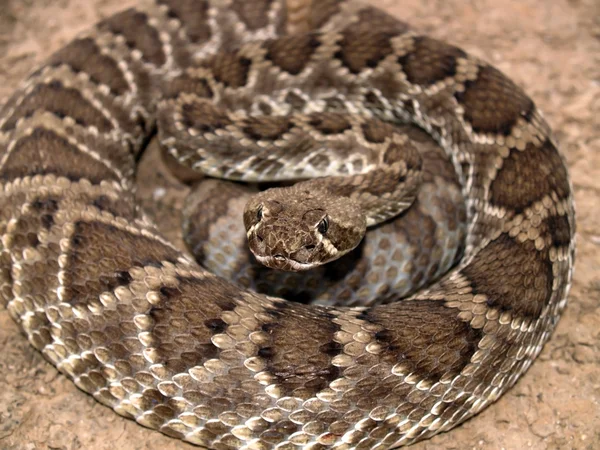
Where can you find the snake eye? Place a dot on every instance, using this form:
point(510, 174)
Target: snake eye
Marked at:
point(323, 226)
point(259, 213)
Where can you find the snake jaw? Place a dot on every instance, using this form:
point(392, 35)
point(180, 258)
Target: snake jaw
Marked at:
point(280, 262)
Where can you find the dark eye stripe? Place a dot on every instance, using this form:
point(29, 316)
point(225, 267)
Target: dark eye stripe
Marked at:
point(323, 226)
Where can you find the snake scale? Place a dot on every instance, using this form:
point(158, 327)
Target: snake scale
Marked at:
point(155, 336)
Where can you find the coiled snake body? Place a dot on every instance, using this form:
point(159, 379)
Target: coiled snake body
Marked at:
point(264, 91)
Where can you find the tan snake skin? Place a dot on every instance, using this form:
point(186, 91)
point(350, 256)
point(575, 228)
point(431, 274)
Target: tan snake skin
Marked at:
point(150, 333)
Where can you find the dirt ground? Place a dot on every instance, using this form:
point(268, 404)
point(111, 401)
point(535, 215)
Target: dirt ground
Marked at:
point(550, 47)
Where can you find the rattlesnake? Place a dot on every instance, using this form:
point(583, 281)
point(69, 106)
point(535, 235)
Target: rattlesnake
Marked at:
point(148, 332)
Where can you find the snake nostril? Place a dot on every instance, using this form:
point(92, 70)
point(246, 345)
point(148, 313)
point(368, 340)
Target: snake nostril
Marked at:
point(309, 247)
point(259, 237)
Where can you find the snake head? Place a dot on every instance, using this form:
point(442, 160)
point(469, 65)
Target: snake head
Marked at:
point(295, 229)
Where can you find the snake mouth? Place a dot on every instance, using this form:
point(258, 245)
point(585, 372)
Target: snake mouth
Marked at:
point(280, 262)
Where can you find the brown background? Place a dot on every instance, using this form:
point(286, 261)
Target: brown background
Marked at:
point(550, 47)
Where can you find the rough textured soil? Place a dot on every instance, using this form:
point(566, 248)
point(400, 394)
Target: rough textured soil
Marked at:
point(550, 47)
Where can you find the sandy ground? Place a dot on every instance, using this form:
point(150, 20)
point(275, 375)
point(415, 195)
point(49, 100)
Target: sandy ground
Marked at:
point(550, 47)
